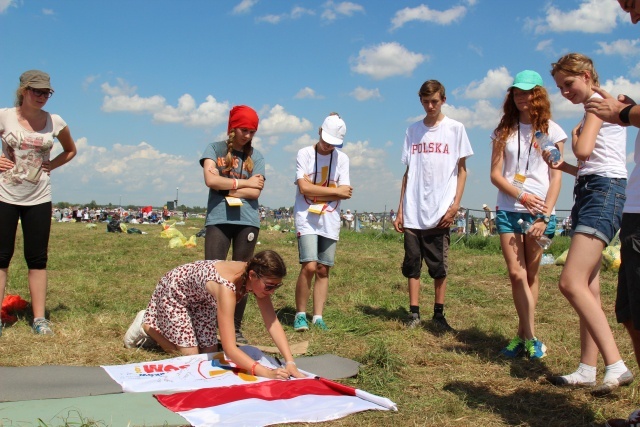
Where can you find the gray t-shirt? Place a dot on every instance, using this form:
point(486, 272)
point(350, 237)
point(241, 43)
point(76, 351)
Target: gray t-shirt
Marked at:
point(218, 211)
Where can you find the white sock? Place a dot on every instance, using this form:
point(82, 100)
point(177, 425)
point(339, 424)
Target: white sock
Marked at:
point(316, 317)
point(584, 374)
point(35, 319)
point(614, 371)
point(301, 313)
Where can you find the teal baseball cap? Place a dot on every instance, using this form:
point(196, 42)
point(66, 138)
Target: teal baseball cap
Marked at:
point(527, 80)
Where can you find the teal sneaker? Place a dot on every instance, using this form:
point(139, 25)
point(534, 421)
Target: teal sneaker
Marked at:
point(42, 327)
point(514, 348)
point(300, 323)
point(535, 349)
point(319, 323)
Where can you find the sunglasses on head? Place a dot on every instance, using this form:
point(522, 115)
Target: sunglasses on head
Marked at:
point(269, 286)
point(42, 92)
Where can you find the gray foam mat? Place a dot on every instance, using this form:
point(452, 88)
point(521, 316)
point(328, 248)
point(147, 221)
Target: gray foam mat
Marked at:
point(123, 409)
point(45, 382)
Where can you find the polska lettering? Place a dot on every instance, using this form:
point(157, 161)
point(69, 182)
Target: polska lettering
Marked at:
point(431, 147)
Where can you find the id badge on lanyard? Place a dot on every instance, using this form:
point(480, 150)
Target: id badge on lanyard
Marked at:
point(518, 181)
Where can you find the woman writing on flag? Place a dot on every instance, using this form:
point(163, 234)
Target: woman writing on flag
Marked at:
point(193, 302)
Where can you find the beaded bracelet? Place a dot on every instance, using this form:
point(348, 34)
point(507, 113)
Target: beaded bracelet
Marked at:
point(253, 368)
point(291, 362)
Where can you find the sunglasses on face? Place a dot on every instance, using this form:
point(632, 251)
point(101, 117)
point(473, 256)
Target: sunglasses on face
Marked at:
point(41, 92)
point(268, 287)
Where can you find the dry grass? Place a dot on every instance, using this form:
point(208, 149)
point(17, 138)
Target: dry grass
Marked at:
point(99, 280)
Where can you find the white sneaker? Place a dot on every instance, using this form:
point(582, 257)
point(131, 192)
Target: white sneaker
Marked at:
point(136, 337)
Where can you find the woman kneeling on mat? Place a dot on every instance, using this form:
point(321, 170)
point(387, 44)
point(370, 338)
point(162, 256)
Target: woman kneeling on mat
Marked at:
point(191, 302)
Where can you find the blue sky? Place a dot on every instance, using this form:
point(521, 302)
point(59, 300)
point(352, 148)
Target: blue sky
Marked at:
point(146, 85)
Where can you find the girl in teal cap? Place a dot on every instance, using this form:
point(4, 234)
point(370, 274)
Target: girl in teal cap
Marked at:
point(527, 190)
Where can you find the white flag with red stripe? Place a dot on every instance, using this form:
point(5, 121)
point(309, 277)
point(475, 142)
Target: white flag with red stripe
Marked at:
point(272, 402)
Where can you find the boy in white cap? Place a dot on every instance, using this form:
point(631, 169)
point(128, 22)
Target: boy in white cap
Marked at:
point(322, 179)
point(435, 151)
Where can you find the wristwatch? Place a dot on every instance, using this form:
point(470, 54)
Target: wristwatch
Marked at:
point(544, 218)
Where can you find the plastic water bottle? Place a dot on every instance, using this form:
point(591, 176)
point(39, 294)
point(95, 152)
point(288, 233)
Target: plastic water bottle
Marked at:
point(546, 145)
point(543, 240)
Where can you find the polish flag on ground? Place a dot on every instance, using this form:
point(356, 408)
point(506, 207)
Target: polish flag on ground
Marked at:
point(272, 402)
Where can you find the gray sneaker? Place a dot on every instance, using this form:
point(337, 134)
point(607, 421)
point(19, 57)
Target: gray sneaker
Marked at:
point(413, 321)
point(607, 387)
point(42, 327)
point(240, 339)
point(136, 337)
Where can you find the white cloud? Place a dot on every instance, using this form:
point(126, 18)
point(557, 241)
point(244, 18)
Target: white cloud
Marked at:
point(592, 16)
point(362, 94)
point(5, 4)
point(624, 86)
point(544, 45)
point(244, 7)
point(48, 12)
point(477, 49)
point(300, 142)
point(278, 121)
point(297, 12)
point(621, 47)
point(363, 155)
point(271, 19)
point(333, 10)
point(89, 80)
point(141, 174)
point(635, 71)
point(209, 113)
point(482, 115)
point(123, 98)
point(386, 60)
point(493, 85)
point(307, 92)
point(424, 14)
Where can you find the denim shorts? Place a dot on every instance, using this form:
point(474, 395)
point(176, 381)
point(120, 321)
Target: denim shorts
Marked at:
point(597, 210)
point(507, 222)
point(315, 248)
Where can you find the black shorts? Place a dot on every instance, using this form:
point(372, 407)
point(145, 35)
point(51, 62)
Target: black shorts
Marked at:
point(628, 296)
point(432, 246)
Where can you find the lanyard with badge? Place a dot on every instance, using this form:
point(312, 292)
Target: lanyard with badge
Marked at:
point(519, 179)
point(320, 208)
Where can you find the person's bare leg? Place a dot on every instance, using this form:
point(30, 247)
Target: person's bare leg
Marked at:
point(38, 290)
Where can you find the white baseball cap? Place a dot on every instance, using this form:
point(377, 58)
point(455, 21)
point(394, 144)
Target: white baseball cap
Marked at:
point(333, 130)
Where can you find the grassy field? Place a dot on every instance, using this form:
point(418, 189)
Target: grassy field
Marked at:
point(99, 280)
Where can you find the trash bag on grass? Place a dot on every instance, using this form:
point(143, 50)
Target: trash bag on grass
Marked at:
point(170, 233)
point(562, 258)
point(113, 226)
point(191, 243)
point(177, 242)
point(611, 258)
